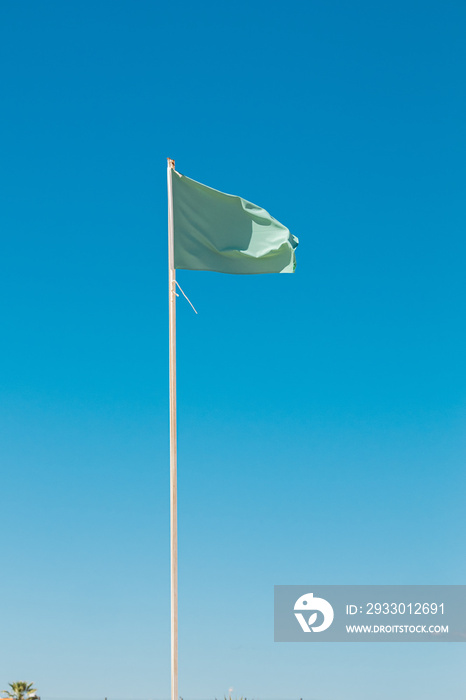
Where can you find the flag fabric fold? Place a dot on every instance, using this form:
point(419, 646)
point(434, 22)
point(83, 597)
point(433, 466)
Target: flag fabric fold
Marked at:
point(224, 233)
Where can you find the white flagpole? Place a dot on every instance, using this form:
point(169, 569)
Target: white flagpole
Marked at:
point(173, 488)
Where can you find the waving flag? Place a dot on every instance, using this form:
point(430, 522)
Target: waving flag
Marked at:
point(224, 233)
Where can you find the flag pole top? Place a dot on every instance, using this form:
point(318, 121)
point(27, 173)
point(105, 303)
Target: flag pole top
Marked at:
point(171, 163)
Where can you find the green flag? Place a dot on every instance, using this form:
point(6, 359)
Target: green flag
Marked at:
point(223, 233)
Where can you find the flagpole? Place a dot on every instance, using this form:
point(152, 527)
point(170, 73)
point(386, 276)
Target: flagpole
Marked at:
point(173, 481)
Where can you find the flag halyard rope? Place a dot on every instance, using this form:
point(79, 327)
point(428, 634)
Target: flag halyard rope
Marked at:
point(188, 300)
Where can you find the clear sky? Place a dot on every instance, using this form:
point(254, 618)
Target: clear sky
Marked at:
point(321, 415)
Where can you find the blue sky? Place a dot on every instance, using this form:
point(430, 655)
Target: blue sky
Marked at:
point(321, 414)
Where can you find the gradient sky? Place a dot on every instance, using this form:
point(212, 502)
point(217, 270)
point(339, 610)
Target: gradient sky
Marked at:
point(321, 415)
